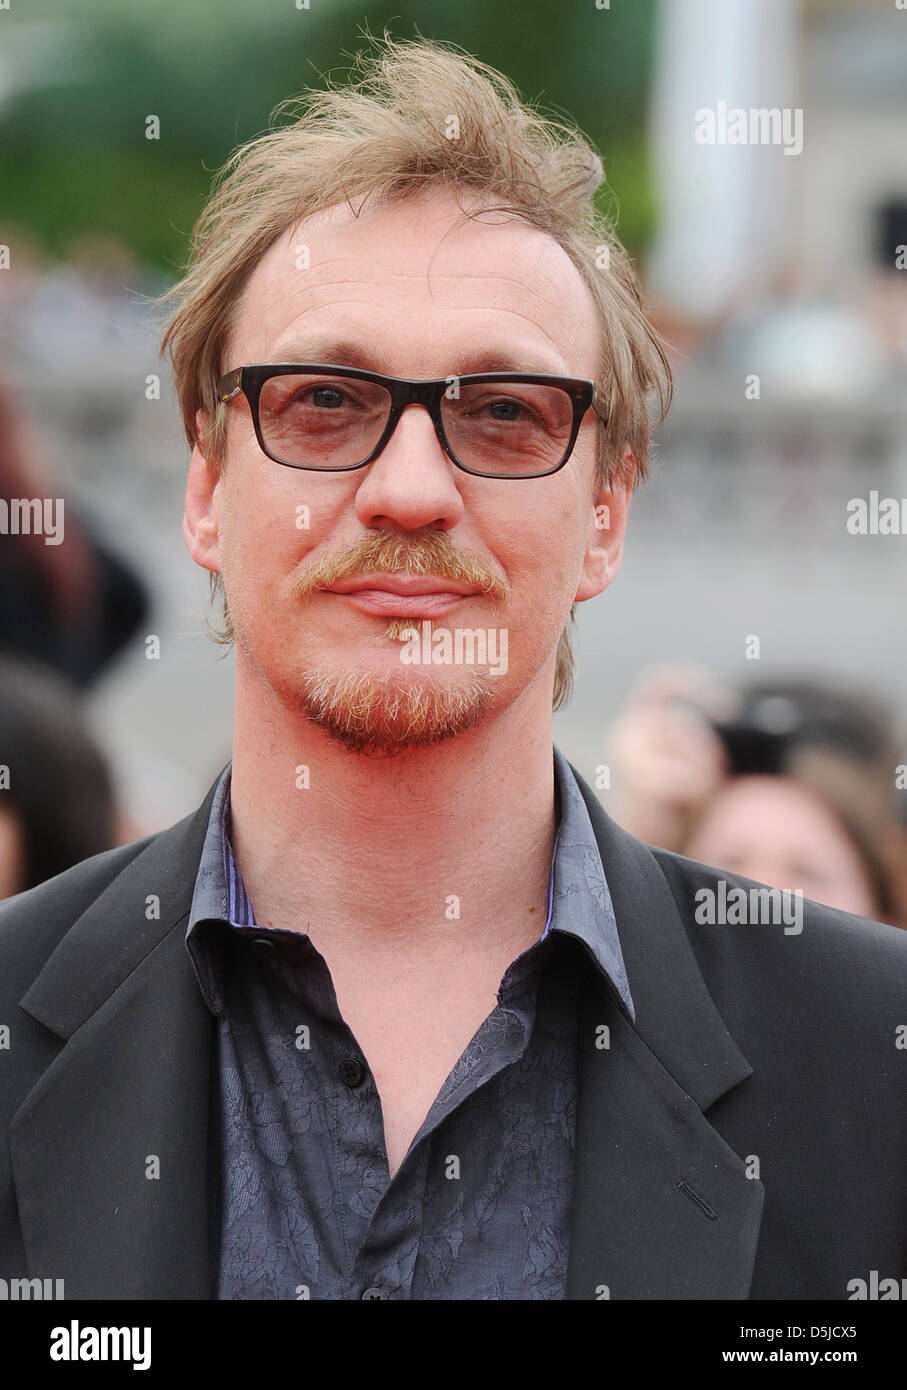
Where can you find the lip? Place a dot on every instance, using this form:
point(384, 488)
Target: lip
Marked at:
point(405, 584)
point(402, 596)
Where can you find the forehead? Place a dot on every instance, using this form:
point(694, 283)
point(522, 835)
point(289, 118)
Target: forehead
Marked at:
point(419, 290)
point(774, 803)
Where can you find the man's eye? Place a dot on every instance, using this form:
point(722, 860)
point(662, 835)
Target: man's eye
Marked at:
point(327, 396)
point(506, 410)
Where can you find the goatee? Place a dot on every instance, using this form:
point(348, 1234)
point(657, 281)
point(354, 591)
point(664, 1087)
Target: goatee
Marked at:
point(387, 715)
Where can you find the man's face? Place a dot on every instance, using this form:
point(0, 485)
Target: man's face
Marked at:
point(413, 291)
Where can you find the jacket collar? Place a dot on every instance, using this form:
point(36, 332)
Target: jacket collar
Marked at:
point(111, 1176)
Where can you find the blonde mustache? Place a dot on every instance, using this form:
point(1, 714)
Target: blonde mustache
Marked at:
point(389, 554)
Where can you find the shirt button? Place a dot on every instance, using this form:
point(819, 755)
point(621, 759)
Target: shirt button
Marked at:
point(351, 1073)
point(374, 1292)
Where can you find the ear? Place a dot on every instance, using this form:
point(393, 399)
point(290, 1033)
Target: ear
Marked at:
point(201, 518)
point(607, 527)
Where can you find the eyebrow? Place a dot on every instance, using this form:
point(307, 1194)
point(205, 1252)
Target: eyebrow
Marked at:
point(349, 354)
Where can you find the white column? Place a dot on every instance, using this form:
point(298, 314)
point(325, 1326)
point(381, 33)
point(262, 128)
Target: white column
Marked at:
point(723, 219)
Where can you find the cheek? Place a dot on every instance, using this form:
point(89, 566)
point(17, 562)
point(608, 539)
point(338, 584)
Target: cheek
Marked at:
point(849, 880)
point(543, 560)
point(270, 518)
point(550, 555)
point(12, 854)
point(261, 544)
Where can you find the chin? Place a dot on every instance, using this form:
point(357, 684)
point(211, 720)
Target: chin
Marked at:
point(385, 713)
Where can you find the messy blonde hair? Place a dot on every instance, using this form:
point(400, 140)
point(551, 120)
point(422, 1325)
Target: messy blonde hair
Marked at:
point(386, 134)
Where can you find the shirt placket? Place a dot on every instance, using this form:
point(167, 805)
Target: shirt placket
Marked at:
point(386, 1262)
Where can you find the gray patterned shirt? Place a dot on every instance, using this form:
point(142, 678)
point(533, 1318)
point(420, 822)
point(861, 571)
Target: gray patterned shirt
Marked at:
point(303, 1205)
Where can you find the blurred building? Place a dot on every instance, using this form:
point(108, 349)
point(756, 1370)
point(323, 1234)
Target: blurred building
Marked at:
point(778, 278)
point(737, 217)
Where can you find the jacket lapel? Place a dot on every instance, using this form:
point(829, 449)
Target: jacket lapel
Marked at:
point(662, 1207)
point(109, 1149)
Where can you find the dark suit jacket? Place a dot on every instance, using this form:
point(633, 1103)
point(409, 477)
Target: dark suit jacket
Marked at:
point(747, 1138)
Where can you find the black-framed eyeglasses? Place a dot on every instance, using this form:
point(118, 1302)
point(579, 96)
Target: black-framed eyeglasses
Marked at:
point(330, 419)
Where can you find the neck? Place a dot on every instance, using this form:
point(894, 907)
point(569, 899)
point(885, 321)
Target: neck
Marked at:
point(443, 848)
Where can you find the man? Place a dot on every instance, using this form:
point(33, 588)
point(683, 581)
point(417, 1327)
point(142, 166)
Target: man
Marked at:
point(399, 1012)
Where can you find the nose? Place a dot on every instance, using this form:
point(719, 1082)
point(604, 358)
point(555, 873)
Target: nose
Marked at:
point(412, 483)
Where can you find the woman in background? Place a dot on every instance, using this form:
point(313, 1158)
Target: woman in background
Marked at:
point(790, 783)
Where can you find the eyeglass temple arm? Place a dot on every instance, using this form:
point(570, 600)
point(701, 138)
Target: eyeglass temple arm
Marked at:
point(228, 385)
point(598, 405)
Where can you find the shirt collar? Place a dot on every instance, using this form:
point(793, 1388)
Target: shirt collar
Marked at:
point(579, 901)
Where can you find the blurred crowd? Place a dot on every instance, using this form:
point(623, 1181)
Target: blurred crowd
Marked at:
point(812, 337)
point(66, 609)
point(792, 783)
point(77, 315)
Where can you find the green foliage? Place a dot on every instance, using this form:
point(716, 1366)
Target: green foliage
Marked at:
point(73, 153)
